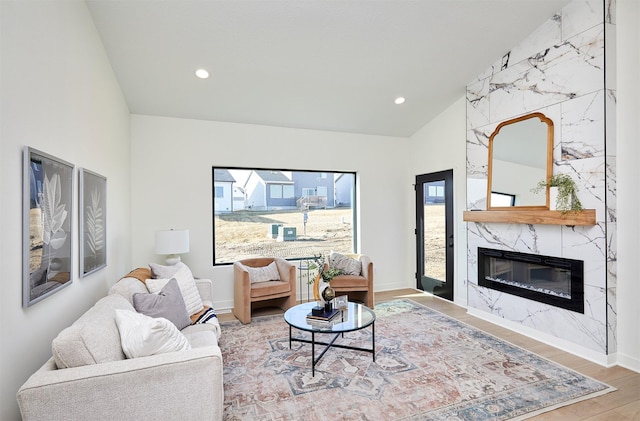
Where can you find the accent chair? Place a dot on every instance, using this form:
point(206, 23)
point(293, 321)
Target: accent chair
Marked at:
point(358, 287)
point(262, 282)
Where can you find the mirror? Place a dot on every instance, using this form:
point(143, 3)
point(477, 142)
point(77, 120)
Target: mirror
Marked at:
point(520, 155)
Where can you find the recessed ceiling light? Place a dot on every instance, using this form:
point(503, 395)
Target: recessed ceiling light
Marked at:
point(399, 100)
point(202, 73)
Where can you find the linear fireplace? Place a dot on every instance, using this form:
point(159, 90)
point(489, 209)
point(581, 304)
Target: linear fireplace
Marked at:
point(551, 280)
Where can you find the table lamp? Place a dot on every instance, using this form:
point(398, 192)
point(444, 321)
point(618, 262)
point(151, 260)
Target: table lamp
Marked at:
point(172, 243)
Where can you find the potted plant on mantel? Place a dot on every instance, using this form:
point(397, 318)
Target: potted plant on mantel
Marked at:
point(566, 198)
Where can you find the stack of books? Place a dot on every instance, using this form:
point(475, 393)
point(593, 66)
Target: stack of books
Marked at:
point(323, 317)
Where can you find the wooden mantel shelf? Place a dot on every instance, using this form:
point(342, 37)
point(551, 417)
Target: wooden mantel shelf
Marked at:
point(543, 217)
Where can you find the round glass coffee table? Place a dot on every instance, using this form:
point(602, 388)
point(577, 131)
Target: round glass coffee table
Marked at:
point(354, 317)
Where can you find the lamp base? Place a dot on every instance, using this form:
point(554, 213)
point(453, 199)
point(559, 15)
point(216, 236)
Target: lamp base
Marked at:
point(172, 259)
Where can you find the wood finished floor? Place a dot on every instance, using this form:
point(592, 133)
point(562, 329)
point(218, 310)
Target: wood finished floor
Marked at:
point(621, 405)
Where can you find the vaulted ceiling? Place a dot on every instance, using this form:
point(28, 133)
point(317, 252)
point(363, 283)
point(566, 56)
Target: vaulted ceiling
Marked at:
point(333, 65)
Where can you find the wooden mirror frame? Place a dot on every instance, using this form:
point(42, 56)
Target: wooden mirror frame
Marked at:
point(543, 119)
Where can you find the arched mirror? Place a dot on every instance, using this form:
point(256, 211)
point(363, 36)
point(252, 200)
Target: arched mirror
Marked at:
point(520, 156)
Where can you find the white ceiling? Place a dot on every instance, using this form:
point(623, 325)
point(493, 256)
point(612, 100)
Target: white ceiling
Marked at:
point(318, 64)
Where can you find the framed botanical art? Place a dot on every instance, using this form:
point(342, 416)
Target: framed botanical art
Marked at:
point(93, 217)
point(47, 229)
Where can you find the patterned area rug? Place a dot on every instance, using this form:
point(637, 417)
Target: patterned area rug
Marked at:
point(428, 367)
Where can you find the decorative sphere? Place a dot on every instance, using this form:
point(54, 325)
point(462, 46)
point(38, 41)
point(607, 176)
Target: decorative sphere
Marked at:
point(328, 294)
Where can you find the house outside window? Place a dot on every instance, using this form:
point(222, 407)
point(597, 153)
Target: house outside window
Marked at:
point(291, 214)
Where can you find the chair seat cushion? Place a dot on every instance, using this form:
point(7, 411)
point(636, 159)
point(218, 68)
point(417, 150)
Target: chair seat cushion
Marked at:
point(349, 281)
point(261, 289)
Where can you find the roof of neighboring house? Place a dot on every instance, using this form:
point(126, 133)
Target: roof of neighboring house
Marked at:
point(271, 176)
point(223, 175)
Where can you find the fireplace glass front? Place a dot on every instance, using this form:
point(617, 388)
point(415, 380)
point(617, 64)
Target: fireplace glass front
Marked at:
point(551, 280)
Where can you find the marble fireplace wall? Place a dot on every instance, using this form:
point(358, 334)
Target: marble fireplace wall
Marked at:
point(559, 70)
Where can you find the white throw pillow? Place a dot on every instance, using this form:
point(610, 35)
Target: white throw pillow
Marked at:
point(264, 274)
point(181, 273)
point(141, 335)
point(346, 264)
point(166, 271)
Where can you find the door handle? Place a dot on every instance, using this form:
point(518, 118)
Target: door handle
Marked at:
point(450, 244)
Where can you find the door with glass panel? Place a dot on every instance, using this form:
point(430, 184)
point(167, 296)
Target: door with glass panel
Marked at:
point(434, 233)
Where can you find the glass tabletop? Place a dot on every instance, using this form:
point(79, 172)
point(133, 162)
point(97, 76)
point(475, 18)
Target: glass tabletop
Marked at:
point(355, 317)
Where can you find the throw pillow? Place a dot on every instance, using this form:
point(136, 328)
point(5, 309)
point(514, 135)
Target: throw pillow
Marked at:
point(141, 335)
point(187, 284)
point(264, 274)
point(167, 303)
point(347, 265)
point(164, 271)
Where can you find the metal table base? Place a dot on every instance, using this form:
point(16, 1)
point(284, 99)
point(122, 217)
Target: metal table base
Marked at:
point(330, 344)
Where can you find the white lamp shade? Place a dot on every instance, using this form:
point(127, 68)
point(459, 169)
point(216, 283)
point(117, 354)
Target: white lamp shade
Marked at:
point(172, 241)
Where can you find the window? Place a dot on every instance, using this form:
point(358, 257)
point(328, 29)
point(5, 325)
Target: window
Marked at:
point(288, 192)
point(502, 199)
point(436, 191)
point(291, 214)
point(322, 191)
point(275, 192)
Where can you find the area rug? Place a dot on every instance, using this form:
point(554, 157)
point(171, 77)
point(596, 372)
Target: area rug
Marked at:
point(428, 367)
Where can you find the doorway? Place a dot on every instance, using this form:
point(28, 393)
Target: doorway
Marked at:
point(434, 233)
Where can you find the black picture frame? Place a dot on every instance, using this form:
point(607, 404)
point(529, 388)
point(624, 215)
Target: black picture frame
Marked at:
point(92, 221)
point(48, 185)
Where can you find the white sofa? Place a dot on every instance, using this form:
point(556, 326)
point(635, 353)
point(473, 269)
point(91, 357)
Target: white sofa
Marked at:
point(102, 384)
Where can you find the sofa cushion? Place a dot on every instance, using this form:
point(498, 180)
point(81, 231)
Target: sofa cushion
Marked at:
point(201, 338)
point(181, 272)
point(211, 326)
point(260, 289)
point(127, 287)
point(93, 338)
point(167, 303)
point(142, 335)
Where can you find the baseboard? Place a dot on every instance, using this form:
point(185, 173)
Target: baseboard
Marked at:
point(580, 351)
point(628, 362)
point(223, 306)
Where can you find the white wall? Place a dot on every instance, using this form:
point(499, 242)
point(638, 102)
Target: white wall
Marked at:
point(628, 183)
point(438, 146)
point(171, 187)
point(58, 94)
